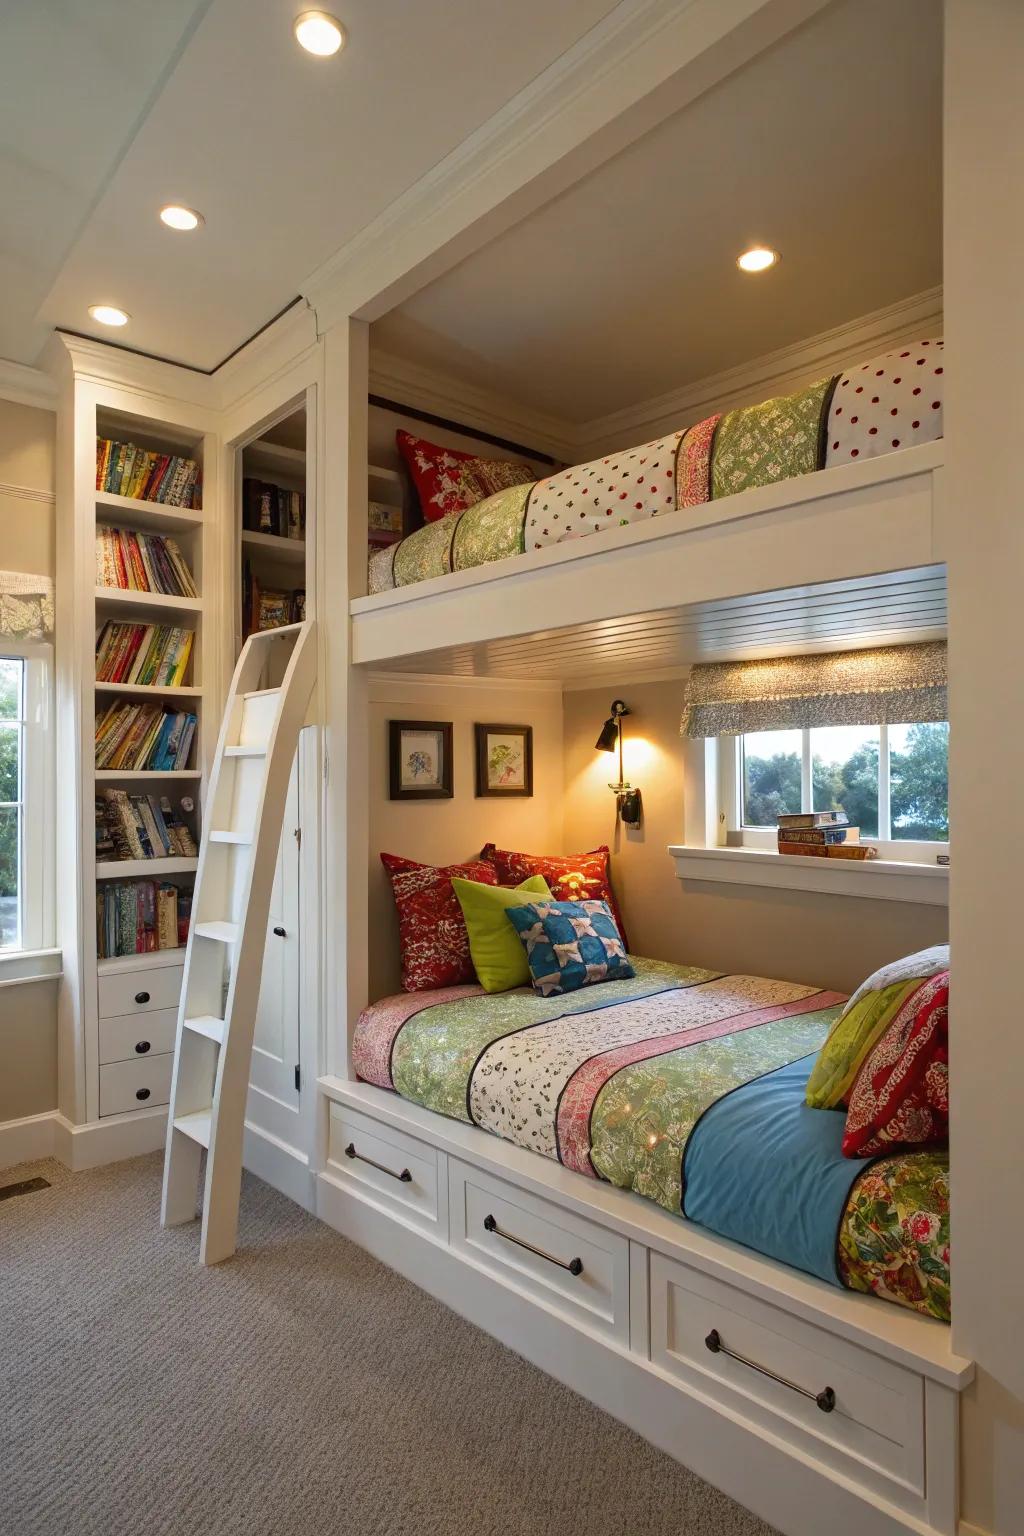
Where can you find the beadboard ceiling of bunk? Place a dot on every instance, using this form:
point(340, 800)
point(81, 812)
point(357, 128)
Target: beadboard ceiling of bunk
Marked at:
point(827, 147)
point(890, 609)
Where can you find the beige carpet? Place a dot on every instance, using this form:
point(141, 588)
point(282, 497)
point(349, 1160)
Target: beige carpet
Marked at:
point(300, 1389)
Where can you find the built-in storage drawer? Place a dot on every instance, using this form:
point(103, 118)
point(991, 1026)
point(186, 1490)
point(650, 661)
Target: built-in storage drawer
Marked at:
point(136, 991)
point(150, 1032)
point(136, 1084)
point(395, 1168)
point(573, 1266)
point(839, 1402)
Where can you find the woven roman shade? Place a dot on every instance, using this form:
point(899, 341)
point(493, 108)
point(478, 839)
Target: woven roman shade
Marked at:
point(26, 606)
point(891, 685)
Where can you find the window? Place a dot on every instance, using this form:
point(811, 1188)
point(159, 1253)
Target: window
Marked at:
point(26, 810)
point(892, 782)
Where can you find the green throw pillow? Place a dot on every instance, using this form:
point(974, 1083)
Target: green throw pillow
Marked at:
point(496, 948)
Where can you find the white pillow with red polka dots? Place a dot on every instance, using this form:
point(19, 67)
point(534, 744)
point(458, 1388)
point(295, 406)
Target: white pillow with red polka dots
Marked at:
point(626, 487)
point(890, 403)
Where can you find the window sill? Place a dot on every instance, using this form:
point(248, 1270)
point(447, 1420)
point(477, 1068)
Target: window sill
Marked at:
point(877, 879)
point(20, 966)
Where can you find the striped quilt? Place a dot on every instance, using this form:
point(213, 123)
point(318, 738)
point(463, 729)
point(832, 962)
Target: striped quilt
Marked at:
point(611, 1081)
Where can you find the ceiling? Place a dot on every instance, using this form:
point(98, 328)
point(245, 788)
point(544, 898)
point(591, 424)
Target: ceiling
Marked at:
point(827, 148)
point(111, 108)
point(889, 609)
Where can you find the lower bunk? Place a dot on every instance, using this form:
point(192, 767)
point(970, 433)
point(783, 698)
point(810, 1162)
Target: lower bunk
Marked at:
point(808, 1403)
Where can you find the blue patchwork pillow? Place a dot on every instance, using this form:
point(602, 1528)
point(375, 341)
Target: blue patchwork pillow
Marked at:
point(570, 944)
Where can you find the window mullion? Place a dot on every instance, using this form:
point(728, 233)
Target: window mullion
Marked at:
point(806, 781)
point(884, 810)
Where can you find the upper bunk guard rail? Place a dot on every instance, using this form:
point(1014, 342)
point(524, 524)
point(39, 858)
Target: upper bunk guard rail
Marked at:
point(228, 934)
point(863, 519)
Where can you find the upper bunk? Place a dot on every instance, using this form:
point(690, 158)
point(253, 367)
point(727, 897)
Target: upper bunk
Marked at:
point(848, 530)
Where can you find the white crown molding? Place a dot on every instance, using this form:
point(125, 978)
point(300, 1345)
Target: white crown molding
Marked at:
point(96, 363)
point(27, 386)
point(266, 358)
point(774, 373)
point(642, 62)
point(385, 687)
point(443, 395)
point(26, 492)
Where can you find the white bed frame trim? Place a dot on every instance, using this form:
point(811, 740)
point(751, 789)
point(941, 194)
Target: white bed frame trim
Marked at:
point(615, 1355)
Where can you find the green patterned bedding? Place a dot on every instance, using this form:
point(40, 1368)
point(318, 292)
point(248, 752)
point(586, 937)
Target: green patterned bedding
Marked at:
point(612, 1080)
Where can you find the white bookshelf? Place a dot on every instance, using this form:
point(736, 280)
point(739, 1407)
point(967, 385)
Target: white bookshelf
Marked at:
point(91, 988)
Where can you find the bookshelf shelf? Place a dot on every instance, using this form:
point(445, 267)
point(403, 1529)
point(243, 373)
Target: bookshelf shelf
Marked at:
point(150, 516)
point(124, 600)
point(146, 869)
point(121, 965)
point(290, 551)
point(151, 690)
point(148, 775)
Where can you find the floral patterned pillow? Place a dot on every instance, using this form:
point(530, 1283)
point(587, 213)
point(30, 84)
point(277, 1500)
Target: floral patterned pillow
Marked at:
point(448, 480)
point(901, 1096)
point(570, 876)
point(570, 944)
point(431, 928)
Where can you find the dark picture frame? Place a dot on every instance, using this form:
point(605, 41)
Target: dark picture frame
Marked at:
point(504, 752)
point(420, 750)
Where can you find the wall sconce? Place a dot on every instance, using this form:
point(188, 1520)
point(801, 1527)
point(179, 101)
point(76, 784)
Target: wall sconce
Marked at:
point(627, 799)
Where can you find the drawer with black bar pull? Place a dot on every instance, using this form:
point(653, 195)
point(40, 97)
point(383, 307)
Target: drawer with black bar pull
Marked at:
point(388, 1166)
point(575, 1267)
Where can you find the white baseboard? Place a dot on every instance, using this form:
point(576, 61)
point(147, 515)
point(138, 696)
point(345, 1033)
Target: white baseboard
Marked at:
point(778, 1482)
point(109, 1141)
point(283, 1167)
point(26, 1140)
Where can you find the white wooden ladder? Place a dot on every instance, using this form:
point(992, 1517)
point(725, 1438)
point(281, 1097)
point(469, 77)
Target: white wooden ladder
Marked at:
point(228, 934)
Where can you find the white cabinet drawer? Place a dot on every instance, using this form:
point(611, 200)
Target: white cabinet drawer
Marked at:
point(397, 1169)
point(136, 991)
point(573, 1266)
point(150, 1032)
point(874, 1424)
point(137, 1084)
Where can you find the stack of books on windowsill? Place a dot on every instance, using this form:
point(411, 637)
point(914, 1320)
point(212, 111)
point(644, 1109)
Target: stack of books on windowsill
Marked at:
point(822, 835)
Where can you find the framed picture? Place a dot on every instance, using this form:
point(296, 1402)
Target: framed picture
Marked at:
point(504, 760)
point(420, 759)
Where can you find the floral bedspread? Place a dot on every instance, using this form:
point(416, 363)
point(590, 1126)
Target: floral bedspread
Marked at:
point(611, 1081)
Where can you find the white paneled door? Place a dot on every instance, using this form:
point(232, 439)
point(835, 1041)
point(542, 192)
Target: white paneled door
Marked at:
point(275, 1052)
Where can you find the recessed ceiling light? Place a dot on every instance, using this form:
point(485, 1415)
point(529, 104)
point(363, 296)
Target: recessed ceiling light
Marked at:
point(108, 314)
point(176, 216)
point(319, 33)
point(758, 259)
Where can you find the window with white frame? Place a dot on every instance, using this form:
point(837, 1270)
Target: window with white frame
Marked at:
point(890, 780)
point(26, 808)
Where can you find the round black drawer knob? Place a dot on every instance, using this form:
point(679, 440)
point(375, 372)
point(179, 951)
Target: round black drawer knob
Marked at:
point(141, 1047)
point(142, 997)
point(142, 1093)
point(279, 932)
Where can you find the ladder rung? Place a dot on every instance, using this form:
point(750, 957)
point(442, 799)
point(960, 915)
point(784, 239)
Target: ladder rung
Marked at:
point(224, 933)
point(230, 837)
point(196, 1126)
point(245, 751)
point(206, 1024)
point(260, 693)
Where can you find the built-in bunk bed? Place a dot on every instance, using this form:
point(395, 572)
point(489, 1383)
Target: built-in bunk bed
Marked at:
point(750, 1107)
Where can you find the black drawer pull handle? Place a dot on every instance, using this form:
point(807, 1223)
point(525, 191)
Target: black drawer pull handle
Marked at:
point(405, 1177)
point(142, 1093)
point(141, 1047)
point(142, 997)
point(574, 1266)
point(825, 1399)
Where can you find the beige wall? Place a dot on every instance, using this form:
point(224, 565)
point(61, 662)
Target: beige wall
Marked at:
point(448, 831)
point(834, 941)
point(28, 1012)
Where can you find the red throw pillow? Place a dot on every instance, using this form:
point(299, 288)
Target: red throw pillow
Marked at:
point(449, 481)
point(901, 1094)
point(570, 876)
point(431, 928)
